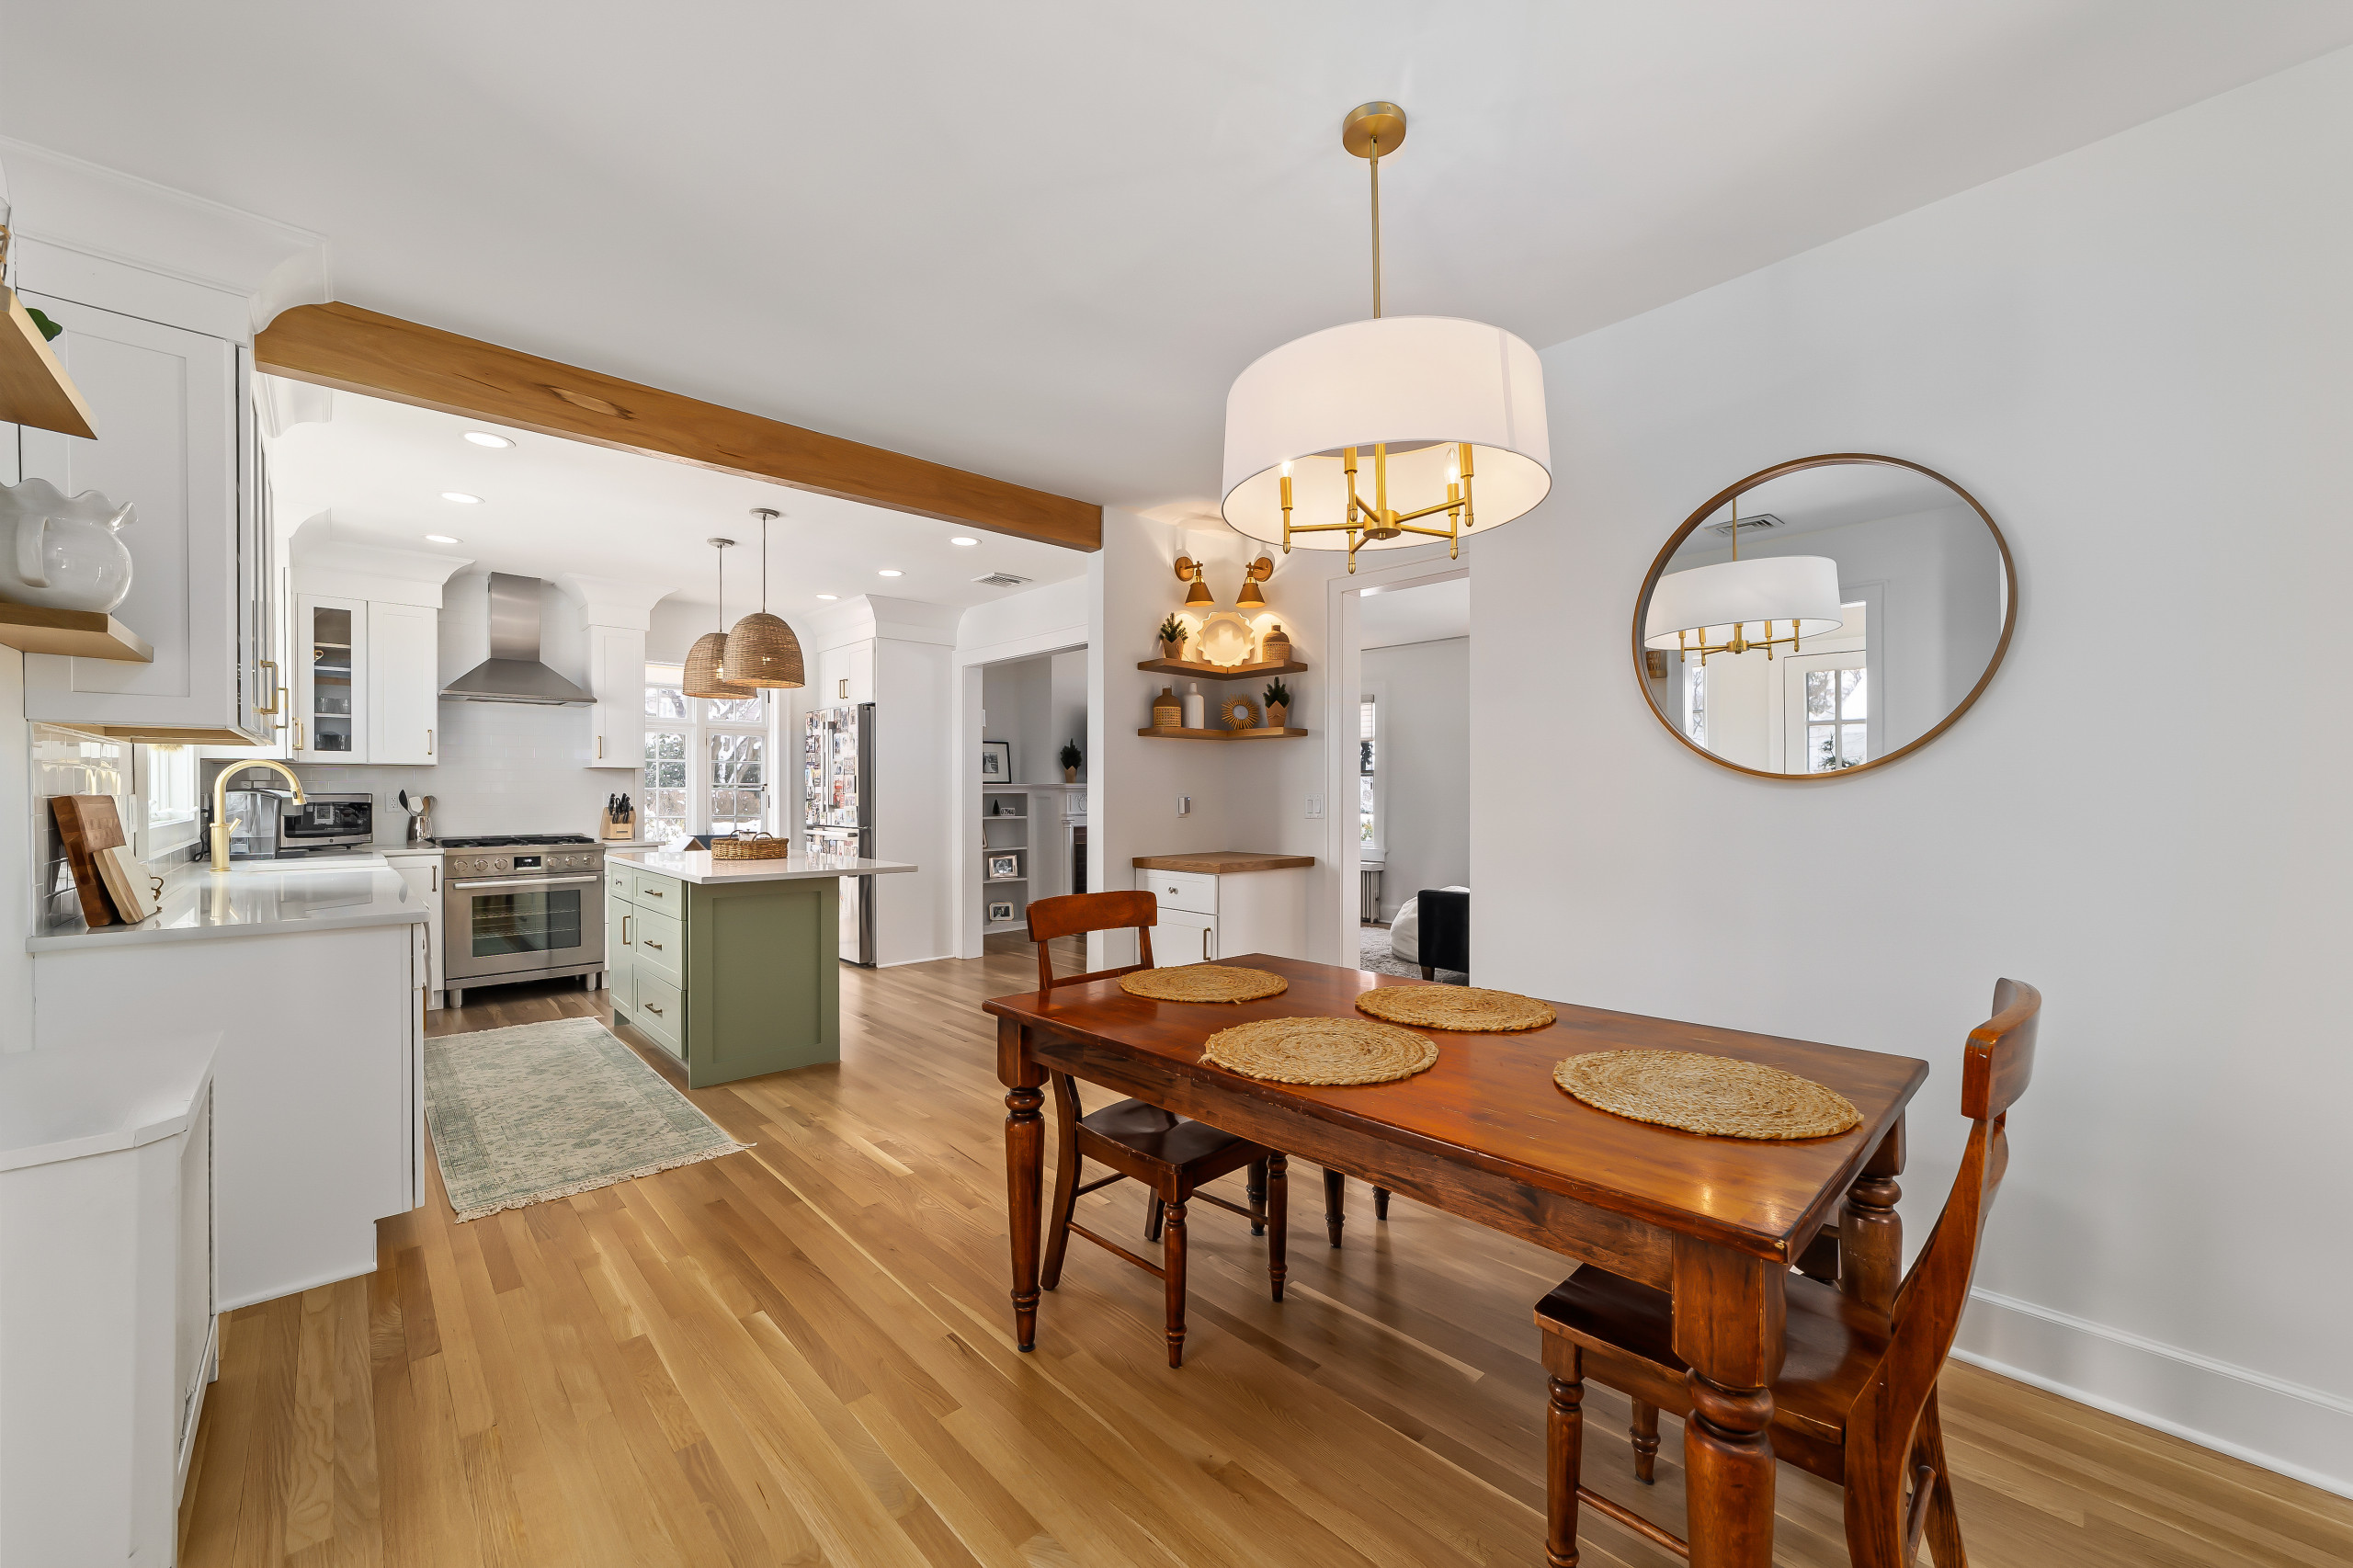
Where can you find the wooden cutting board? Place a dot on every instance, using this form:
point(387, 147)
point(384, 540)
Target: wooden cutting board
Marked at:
point(87, 824)
point(128, 883)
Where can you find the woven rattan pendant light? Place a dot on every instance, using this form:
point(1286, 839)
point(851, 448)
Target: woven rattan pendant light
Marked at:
point(762, 650)
point(702, 678)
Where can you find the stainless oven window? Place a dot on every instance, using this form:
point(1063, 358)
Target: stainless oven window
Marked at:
point(536, 921)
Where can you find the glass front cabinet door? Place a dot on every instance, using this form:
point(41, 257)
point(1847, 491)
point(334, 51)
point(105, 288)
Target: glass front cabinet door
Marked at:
point(331, 655)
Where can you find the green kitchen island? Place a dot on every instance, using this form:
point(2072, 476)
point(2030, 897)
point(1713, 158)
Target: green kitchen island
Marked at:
point(734, 967)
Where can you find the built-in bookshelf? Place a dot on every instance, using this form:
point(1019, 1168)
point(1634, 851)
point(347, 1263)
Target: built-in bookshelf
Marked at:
point(1024, 850)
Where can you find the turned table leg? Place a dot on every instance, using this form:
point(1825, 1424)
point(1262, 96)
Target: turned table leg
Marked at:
point(1729, 1317)
point(1336, 1204)
point(1025, 1155)
point(1871, 1232)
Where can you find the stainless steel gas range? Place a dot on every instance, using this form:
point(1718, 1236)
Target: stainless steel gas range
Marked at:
point(521, 906)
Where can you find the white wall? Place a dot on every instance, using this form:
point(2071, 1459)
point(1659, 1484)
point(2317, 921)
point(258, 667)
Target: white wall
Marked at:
point(2134, 356)
point(1422, 752)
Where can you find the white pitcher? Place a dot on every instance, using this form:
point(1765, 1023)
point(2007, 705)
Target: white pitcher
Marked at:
point(61, 552)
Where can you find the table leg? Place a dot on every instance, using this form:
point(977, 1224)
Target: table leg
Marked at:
point(1025, 1155)
point(1871, 1232)
point(1729, 1318)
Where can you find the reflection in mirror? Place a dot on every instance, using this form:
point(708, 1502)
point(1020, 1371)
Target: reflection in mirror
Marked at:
point(1824, 616)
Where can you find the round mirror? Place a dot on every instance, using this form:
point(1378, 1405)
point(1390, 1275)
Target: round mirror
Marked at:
point(1824, 616)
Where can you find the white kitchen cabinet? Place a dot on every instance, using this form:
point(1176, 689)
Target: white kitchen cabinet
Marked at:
point(1205, 917)
point(330, 678)
point(403, 690)
point(421, 870)
point(176, 440)
point(108, 1328)
point(846, 675)
point(616, 680)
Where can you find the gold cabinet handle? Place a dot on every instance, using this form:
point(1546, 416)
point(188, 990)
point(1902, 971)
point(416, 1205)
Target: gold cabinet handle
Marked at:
point(1205, 944)
point(654, 945)
point(298, 736)
point(653, 1009)
point(600, 748)
point(428, 742)
point(624, 930)
point(435, 885)
point(275, 688)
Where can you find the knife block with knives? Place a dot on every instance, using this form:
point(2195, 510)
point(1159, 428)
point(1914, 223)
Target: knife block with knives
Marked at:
point(619, 821)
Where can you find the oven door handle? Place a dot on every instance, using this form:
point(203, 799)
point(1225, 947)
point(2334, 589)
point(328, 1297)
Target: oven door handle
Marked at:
point(526, 881)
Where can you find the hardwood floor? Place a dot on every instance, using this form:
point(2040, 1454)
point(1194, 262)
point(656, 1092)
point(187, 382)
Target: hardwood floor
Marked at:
point(801, 1354)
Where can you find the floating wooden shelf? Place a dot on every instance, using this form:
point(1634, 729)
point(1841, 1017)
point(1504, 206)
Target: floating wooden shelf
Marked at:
point(83, 634)
point(34, 388)
point(1220, 734)
point(1219, 671)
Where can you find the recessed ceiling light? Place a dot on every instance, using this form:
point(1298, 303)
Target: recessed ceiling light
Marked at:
point(484, 439)
point(442, 538)
point(829, 595)
point(962, 540)
point(461, 498)
point(890, 572)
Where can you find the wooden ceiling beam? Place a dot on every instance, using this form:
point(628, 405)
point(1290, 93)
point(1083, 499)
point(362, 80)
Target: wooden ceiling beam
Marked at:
point(357, 350)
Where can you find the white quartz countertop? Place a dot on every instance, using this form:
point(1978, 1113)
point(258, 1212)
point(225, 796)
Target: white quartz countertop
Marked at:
point(697, 866)
point(95, 1099)
point(200, 906)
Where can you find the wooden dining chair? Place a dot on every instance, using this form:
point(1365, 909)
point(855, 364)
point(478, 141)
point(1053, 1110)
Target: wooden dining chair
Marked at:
point(1856, 1402)
point(1172, 1155)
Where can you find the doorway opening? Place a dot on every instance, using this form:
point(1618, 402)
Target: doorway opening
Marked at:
point(1025, 812)
point(1411, 794)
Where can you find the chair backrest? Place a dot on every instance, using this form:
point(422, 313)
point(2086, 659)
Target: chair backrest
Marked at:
point(1072, 913)
point(1996, 1066)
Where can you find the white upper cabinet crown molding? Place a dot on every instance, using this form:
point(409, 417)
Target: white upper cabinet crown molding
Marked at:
point(95, 234)
point(614, 601)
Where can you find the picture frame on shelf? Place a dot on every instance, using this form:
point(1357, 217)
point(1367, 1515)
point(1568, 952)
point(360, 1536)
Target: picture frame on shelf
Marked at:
point(1004, 866)
point(996, 762)
point(1000, 909)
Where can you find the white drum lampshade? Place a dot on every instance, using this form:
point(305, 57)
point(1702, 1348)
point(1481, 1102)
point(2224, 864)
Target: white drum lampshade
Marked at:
point(1705, 603)
point(1423, 384)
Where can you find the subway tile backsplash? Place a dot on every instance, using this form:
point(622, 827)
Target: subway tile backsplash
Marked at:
point(66, 761)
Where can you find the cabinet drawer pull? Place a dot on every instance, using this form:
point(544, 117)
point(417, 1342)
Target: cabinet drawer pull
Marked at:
point(1205, 944)
point(652, 1008)
point(651, 892)
point(624, 930)
point(654, 945)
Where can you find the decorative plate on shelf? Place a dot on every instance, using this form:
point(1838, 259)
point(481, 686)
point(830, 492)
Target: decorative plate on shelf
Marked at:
point(1224, 639)
point(1242, 713)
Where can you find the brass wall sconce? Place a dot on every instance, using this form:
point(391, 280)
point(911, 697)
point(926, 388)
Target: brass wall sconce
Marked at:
point(1257, 571)
point(1190, 571)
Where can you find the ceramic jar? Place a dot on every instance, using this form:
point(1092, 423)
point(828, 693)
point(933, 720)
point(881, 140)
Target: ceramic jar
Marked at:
point(1167, 712)
point(1275, 648)
point(60, 553)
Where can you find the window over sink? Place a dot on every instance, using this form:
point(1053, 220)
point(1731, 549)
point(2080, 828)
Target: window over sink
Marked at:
point(706, 766)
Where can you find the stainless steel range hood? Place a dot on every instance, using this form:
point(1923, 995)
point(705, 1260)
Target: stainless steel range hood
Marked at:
point(513, 672)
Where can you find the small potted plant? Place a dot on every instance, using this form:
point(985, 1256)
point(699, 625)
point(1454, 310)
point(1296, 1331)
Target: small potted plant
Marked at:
point(1277, 704)
point(1072, 757)
point(1172, 639)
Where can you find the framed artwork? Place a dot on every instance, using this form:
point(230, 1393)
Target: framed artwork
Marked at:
point(1004, 865)
point(996, 762)
point(1001, 911)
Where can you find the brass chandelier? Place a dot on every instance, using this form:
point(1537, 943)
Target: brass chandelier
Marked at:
point(1428, 403)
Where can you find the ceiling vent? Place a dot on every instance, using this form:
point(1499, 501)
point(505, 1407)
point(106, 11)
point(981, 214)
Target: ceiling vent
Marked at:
point(1001, 580)
point(1757, 524)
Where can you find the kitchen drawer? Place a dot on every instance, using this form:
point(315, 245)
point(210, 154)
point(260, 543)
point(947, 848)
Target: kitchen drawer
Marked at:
point(661, 1011)
point(1183, 936)
point(1180, 890)
point(658, 944)
point(648, 891)
point(618, 881)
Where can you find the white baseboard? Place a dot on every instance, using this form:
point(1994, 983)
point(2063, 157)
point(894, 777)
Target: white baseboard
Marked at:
point(2299, 1431)
point(296, 1286)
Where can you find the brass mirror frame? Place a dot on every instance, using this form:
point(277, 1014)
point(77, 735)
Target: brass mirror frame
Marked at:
point(1828, 459)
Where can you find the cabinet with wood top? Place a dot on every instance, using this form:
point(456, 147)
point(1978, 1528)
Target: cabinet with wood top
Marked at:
point(1226, 902)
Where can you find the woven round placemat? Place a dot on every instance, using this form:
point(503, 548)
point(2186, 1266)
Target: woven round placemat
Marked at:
point(1705, 1093)
point(1321, 1050)
point(1465, 1009)
point(1203, 982)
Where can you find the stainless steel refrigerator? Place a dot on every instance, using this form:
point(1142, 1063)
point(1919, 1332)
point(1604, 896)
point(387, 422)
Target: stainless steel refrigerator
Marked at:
point(837, 810)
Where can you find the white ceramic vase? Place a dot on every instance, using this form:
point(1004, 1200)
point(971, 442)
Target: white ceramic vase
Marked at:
point(62, 553)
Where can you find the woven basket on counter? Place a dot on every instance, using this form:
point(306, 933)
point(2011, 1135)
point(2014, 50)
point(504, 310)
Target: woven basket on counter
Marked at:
point(750, 847)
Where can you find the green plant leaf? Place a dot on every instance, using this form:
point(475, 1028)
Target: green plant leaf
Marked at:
point(49, 329)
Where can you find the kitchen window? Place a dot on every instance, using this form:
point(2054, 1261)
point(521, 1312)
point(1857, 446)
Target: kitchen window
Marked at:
point(705, 768)
point(164, 780)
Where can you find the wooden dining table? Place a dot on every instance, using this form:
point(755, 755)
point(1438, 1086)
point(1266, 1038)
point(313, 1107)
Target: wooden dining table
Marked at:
point(1486, 1134)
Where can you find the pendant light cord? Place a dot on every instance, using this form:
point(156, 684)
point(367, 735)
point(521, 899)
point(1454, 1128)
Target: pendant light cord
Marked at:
point(1376, 228)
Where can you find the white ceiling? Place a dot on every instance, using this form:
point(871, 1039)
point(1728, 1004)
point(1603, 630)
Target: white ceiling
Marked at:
point(1813, 499)
point(550, 506)
point(1040, 238)
point(1388, 617)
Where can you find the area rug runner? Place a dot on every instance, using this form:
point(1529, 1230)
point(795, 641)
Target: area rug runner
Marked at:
point(546, 1110)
